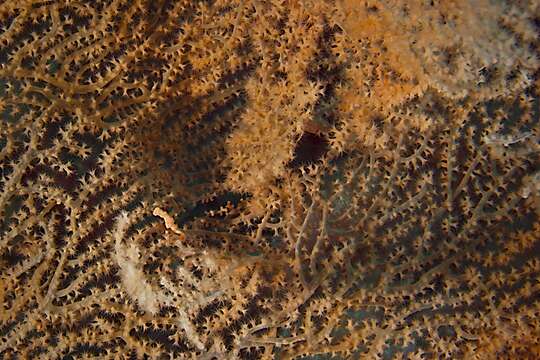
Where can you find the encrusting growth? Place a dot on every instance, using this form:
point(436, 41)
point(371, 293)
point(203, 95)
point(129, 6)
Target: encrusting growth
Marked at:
point(270, 179)
point(131, 275)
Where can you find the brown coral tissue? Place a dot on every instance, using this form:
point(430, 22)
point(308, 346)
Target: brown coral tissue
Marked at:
point(270, 179)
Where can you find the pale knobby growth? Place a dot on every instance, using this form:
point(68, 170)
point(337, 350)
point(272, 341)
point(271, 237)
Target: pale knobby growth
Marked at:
point(133, 280)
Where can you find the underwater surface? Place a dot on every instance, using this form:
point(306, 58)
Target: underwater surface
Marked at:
point(269, 179)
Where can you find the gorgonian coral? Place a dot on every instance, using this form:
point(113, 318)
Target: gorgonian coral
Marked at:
point(269, 179)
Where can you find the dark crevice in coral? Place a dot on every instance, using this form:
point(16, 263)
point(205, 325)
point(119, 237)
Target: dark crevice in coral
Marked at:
point(309, 149)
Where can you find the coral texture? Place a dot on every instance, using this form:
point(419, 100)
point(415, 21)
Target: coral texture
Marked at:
point(270, 179)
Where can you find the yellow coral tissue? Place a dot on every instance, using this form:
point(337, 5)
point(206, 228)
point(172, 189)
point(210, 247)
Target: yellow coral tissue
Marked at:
point(270, 179)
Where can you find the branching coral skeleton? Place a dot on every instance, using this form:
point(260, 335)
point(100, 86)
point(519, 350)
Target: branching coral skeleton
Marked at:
point(350, 179)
